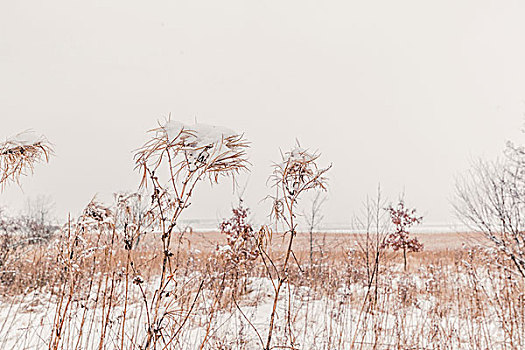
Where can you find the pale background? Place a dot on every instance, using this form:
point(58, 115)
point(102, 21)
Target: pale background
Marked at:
point(402, 93)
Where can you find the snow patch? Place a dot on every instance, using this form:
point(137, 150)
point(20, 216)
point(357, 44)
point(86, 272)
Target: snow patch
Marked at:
point(200, 135)
point(25, 138)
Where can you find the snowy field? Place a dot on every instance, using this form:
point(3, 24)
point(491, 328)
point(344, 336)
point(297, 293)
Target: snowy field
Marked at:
point(126, 275)
point(411, 312)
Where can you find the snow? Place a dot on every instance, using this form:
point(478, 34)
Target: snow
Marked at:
point(25, 138)
point(202, 135)
point(320, 321)
point(295, 155)
point(201, 142)
point(298, 154)
point(224, 249)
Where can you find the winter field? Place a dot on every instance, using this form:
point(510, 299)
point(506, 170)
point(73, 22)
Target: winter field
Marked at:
point(451, 297)
point(129, 275)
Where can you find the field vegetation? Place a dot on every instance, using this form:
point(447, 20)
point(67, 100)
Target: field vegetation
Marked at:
point(125, 275)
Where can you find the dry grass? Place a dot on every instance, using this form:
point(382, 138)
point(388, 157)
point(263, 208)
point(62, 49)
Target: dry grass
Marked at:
point(123, 276)
point(19, 154)
point(454, 298)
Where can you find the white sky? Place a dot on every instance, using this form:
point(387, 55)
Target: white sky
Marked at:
point(404, 93)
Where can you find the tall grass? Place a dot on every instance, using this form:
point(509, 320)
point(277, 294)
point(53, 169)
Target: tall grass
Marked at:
point(446, 299)
point(125, 276)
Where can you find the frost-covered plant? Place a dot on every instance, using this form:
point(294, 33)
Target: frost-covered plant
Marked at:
point(297, 173)
point(491, 200)
point(375, 224)
point(241, 247)
point(18, 232)
point(403, 218)
point(19, 154)
point(75, 242)
point(75, 250)
point(87, 252)
point(8, 227)
point(314, 218)
point(406, 290)
point(177, 157)
point(130, 217)
point(192, 152)
point(172, 162)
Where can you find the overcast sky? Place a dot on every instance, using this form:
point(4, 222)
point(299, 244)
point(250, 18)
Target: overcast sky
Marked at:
point(402, 93)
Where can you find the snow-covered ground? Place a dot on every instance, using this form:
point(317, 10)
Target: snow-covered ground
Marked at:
point(316, 321)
